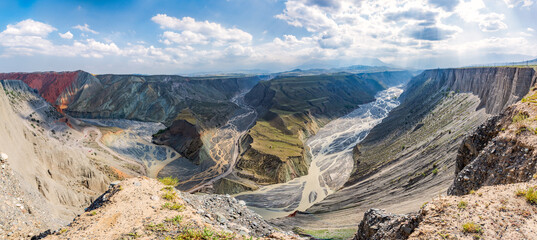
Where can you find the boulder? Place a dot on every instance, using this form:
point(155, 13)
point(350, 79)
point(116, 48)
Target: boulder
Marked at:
point(378, 224)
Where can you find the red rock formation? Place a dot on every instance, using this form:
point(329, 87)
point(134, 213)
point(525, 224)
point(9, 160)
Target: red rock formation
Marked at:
point(50, 85)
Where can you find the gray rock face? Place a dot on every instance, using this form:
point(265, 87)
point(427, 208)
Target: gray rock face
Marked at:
point(485, 158)
point(378, 224)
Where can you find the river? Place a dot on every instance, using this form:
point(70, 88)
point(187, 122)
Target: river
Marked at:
point(331, 165)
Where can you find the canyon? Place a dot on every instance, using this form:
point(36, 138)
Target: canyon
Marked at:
point(307, 151)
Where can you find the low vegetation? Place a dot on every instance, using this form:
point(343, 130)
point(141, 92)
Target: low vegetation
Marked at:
point(175, 220)
point(174, 206)
point(471, 227)
point(530, 194)
point(169, 181)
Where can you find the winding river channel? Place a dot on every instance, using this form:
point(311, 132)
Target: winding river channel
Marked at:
point(331, 165)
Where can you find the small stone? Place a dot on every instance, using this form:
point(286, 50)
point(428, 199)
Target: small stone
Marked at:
point(3, 157)
point(154, 198)
point(243, 203)
point(137, 184)
point(221, 218)
point(466, 178)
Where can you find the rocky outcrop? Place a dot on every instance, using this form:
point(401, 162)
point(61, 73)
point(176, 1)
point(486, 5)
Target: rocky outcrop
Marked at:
point(500, 151)
point(492, 212)
point(472, 145)
point(379, 225)
point(183, 137)
point(137, 208)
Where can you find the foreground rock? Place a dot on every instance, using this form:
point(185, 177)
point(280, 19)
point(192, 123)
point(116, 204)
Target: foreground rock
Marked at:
point(377, 225)
point(144, 208)
point(500, 151)
point(493, 212)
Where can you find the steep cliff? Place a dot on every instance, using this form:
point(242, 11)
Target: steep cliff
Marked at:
point(501, 151)
point(50, 175)
point(292, 109)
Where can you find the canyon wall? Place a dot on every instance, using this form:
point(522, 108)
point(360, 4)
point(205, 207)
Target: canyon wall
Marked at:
point(410, 157)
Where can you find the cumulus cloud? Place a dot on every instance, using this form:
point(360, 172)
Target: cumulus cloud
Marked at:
point(29, 27)
point(192, 32)
point(67, 35)
point(475, 11)
point(30, 37)
point(85, 28)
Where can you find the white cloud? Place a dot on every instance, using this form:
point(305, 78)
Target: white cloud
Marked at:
point(475, 11)
point(30, 37)
point(29, 27)
point(67, 35)
point(192, 32)
point(531, 30)
point(522, 3)
point(187, 37)
point(85, 28)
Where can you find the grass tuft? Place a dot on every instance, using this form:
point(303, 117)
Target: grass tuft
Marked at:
point(471, 227)
point(175, 220)
point(169, 181)
point(173, 206)
point(530, 195)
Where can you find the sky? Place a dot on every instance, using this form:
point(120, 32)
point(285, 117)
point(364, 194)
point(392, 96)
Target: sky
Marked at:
point(196, 36)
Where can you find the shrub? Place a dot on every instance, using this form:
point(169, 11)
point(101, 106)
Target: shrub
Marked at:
point(471, 227)
point(435, 171)
point(531, 196)
point(169, 181)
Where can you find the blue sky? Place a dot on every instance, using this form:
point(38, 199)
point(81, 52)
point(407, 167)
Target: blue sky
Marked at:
point(179, 37)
